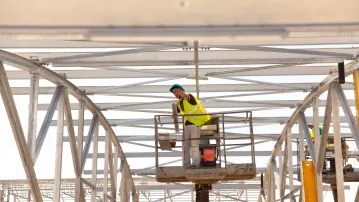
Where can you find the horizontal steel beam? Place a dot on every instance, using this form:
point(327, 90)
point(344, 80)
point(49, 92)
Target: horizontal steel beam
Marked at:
point(208, 103)
point(150, 137)
point(179, 154)
point(189, 88)
point(256, 120)
point(207, 57)
point(97, 74)
point(275, 60)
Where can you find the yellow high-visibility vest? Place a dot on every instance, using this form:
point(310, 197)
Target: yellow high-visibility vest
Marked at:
point(320, 132)
point(193, 109)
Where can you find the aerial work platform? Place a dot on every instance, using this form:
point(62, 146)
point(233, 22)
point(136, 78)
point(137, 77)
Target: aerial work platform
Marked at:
point(215, 165)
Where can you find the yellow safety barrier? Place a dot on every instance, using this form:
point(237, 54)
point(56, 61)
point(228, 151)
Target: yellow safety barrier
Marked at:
point(309, 182)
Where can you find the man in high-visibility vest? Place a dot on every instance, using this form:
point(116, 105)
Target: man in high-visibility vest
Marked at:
point(311, 126)
point(188, 104)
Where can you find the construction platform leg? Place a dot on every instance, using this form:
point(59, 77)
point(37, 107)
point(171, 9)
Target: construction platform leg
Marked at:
point(309, 182)
point(202, 192)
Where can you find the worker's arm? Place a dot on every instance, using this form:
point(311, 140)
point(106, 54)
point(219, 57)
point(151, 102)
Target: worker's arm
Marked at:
point(190, 100)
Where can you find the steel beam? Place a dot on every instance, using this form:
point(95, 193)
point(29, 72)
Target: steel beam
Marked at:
point(146, 123)
point(18, 132)
point(32, 123)
point(290, 160)
point(348, 113)
point(47, 121)
point(357, 195)
point(103, 90)
point(290, 87)
point(178, 154)
point(271, 191)
point(324, 137)
point(103, 54)
point(317, 147)
point(195, 44)
point(71, 134)
point(317, 90)
point(94, 159)
point(286, 50)
point(106, 160)
point(94, 124)
point(337, 145)
point(276, 178)
point(149, 137)
point(59, 147)
point(124, 191)
point(51, 76)
point(116, 62)
point(79, 192)
point(283, 170)
point(189, 88)
point(356, 94)
point(119, 72)
point(304, 124)
point(209, 102)
point(114, 171)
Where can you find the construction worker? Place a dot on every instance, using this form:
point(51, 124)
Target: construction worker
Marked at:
point(188, 104)
point(311, 126)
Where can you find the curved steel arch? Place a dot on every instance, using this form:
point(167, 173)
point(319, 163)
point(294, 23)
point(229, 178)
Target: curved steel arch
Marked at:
point(32, 67)
point(317, 91)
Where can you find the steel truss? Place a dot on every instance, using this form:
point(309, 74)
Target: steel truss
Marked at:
point(137, 183)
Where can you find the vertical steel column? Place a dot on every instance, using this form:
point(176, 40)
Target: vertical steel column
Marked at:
point(280, 167)
point(301, 159)
point(80, 133)
point(284, 169)
point(106, 160)
point(195, 44)
point(32, 123)
point(94, 160)
point(124, 185)
point(271, 191)
point(276, 177)
point(317, 146)
point(18, 132)
point(324, 137)
point(59, 147)
point(114, 172)
point(290, 161)
point(356, 94)
point(337, 147)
